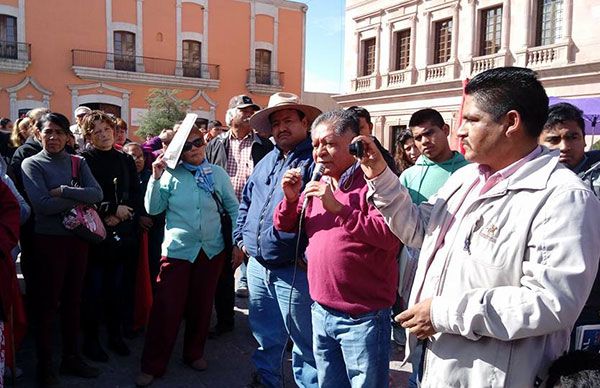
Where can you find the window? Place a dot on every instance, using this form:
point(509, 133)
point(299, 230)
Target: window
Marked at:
point(124, 50)
point(443, 41)
point(191, 58)
point(549, 23)
point(8, 37)
point(491, 31)
point(402, 39)
point(263, 66)
point(368, 53)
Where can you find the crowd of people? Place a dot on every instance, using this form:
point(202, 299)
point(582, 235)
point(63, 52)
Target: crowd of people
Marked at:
point(481, 263)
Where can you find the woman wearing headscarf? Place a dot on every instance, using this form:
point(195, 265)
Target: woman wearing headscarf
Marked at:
point(194, 252)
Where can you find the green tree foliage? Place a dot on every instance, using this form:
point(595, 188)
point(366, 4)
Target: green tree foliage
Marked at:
point(164, 110)
point(595, 146)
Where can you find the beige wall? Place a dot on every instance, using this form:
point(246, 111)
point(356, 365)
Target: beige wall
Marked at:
point(392, 96)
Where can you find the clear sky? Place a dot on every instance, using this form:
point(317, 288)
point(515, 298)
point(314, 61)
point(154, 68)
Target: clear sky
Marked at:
point(324, 45)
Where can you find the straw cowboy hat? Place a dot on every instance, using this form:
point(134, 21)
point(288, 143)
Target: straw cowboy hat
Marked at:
point(281, 101)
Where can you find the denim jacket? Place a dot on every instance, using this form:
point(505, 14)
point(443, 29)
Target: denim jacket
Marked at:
point(262, 193)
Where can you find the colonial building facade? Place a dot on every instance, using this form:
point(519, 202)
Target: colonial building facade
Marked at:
point(402, 56)
point(108, 54)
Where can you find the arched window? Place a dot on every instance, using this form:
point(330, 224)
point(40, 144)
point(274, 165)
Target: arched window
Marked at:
point(124, 45)
point(191, 58)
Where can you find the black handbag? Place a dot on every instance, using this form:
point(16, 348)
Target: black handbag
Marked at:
point(226, 225)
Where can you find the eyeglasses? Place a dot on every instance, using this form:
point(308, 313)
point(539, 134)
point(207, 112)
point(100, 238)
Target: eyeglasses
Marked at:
point(187, 146)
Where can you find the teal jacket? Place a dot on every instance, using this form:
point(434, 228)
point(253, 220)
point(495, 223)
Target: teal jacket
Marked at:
point(425, 178)
point(192, 218)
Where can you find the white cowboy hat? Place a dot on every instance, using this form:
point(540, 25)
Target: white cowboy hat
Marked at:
point(280, 101)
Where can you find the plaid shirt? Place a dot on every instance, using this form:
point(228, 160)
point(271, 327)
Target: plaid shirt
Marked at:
point(239, 162)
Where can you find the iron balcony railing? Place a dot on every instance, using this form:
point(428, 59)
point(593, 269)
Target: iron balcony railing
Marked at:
point(262, 77)
point(134, 63)
point(15, 50)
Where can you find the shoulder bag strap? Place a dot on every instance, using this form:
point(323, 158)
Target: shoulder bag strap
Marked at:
point(75, 171)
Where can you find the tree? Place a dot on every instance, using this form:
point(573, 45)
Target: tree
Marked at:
point(164, 110)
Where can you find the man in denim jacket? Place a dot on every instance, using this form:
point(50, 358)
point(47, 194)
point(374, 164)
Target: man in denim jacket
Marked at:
point(275, 281)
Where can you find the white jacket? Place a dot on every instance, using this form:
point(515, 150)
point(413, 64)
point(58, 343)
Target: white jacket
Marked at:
point(505, 307)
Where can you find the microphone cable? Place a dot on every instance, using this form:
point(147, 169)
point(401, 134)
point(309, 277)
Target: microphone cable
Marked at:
point(319, 168)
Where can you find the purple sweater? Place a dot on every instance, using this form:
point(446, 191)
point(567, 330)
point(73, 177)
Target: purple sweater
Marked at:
point(351, 256)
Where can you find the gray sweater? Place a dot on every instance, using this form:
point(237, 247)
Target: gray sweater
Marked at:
point(44, 172)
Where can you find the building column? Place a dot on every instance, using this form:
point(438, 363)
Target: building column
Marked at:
point(179, 63)
point(413, 42)
point(252, 76)
point(426, 43)
point(110, 48)
point(473, 11)
point(526, 37)
point(205, 39)
point(125, 107)
point(14, 112)
point(74, 102)
point(377, 50)
point(568, 21)
point(454, 47)
point(139, 37)
point(504, 46)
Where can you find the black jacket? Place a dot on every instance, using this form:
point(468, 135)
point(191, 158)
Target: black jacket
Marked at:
point(216, 150)
point(31, 147)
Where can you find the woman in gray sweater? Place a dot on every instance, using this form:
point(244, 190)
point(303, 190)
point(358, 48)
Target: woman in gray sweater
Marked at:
point(60, 257)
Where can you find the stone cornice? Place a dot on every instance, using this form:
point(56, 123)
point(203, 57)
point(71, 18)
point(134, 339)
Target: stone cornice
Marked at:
point(144, 78)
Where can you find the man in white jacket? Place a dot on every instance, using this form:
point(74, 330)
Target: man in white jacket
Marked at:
point(509, 245)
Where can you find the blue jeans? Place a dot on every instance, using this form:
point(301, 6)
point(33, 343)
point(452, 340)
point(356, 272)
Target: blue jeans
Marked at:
point(269, 304)
point(243, 282)
point(351, 351)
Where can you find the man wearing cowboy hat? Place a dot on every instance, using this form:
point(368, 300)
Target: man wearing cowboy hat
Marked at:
point(274, 256)
point(237, 151)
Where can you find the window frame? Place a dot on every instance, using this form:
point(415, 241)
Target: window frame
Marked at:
point(496, 30)
point(402, 50)
point(124, 59)
point(366, 61)
point(555, 20)
point(192, 65)
point(439, 32)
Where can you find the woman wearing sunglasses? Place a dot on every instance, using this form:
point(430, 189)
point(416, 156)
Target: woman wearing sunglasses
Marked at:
point(193, 254)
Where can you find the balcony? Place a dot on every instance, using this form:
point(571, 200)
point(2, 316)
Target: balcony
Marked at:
point(543, 57)
point(101, 66)
point(399, 78)
point(441, 72)
point(365, 83)
point(15, 57)
point(486, 62)
point(264, 82)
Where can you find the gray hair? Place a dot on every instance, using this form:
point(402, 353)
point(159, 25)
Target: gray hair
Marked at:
point(342, 121)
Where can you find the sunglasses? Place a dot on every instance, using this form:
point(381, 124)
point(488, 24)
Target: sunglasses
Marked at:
point(199, 142)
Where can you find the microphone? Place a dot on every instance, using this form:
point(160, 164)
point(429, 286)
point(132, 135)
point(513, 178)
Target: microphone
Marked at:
point(316, 176)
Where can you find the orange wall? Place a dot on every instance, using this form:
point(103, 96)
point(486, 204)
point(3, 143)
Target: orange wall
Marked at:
point(54, 28)
point(124, 11)
point(192, 18)
point(264, 28)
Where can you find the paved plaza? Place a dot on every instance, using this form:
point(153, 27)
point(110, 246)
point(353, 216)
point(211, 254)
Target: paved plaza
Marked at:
point(228, 359)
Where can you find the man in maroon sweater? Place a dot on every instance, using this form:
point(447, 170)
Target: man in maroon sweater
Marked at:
point(351, 254)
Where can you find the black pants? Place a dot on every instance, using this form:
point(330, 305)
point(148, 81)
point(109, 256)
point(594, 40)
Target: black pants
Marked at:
point(105, 294)
point(225, 296)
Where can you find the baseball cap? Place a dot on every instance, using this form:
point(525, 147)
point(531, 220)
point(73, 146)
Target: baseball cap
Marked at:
point(82, 110)
point(242, 101)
